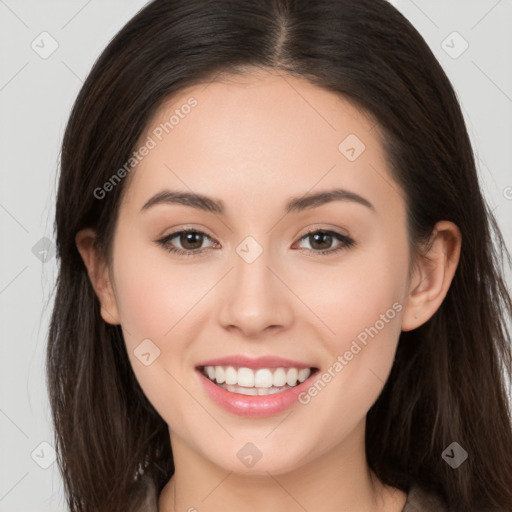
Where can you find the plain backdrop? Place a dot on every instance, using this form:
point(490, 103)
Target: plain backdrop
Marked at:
point(47, 48)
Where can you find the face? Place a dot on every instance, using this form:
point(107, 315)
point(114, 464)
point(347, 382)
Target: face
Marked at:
point(316, 285)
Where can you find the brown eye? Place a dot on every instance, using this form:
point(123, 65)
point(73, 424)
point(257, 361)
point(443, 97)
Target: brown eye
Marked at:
point(321, 242)
point(190, 241)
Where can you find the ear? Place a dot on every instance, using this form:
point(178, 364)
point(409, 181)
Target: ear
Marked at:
point(98, 274)
point(432, 276)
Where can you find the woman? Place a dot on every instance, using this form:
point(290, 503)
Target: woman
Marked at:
point(279, 287)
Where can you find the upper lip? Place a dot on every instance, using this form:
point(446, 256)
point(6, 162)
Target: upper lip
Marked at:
point(241, 361)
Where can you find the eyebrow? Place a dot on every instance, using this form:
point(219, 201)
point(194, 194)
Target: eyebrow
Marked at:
point(294, 204)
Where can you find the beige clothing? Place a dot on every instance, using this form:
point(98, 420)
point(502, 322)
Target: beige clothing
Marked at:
point(419, 500)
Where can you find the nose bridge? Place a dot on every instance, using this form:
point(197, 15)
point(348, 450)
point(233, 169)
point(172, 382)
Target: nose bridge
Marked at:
point(255, 298)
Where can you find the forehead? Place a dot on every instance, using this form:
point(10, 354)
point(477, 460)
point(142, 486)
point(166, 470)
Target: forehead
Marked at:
point(263, 133)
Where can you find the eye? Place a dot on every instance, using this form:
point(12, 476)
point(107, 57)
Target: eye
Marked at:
point(322, 238)
point(190, 240)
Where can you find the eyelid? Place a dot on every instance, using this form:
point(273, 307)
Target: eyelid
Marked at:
point(313, 228)
point(164, 241)
point(345, 241)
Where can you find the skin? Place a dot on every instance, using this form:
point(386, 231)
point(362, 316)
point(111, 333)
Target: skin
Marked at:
point(254, 142)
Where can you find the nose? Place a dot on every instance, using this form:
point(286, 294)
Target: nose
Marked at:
point(255, 298)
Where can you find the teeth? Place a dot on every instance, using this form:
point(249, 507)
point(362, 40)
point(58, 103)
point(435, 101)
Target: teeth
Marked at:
point(304, 374)
point(253, 391)
point(292, 375)
point(230, 375)
point(246, 377)
point(263, 378)
point(219, 376)
point(279, 377)
point(211, 372)
point(262, 381)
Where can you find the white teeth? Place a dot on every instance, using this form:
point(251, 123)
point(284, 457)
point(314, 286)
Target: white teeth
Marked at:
point(246, 377)
point(253, 391)
point(266, 380)
point(263, 378)
point(291, 376)
point(219, 374)
point(304, 374)
point(279, 378)
point(230, 375)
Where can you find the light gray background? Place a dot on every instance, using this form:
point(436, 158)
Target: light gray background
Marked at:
point(36, 95)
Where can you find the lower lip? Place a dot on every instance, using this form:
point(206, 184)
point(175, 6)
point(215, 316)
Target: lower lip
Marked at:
point(251, 405)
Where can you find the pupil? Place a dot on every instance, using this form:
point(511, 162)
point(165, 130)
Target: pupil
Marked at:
point(189, 239)
point(329, 239)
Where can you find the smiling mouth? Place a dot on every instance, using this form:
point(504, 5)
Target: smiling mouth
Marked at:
point(259, 382)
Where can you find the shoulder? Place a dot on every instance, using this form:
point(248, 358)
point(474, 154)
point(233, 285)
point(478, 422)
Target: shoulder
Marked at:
point(421, 500)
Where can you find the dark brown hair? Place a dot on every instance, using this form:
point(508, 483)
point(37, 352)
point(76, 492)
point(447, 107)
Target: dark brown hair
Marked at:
point(448, 380)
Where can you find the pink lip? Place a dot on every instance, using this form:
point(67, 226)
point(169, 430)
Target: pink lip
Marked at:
point(249, 405)
point(240, 361)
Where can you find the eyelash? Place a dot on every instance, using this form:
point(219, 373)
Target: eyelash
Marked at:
point(346, 242)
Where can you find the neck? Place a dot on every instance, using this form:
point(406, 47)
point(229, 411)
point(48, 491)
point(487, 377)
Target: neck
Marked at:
point(338, 480)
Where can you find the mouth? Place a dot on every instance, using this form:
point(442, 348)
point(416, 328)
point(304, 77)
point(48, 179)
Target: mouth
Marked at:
point(256, 381)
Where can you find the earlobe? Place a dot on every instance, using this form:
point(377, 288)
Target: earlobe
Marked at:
point(433, 275)
point(98, 272)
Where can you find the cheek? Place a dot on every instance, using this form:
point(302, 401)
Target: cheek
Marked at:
point(155, 301)
point(365, 318)
point(354, 294)
point(153, 294)
point(361, 306)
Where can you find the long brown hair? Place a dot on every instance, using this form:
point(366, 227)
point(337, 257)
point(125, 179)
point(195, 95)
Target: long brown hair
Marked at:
point(448, 380)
